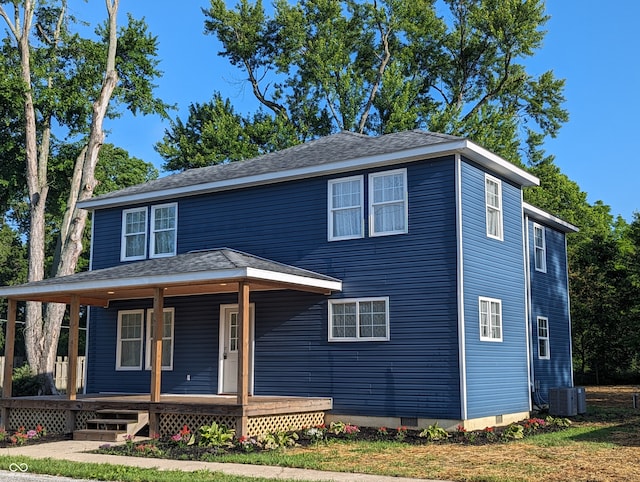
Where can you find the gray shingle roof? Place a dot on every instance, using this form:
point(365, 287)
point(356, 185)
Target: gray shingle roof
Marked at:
point(339, 147)
point(200, 267)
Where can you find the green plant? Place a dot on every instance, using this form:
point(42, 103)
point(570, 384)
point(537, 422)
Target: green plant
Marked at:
point(513, 432)
point(184, 437)
point(401, 433)
point(433, 432)
point(316, 434)
point(26, 383)
point(558, 421)
point(277, 440)
point(215, 435)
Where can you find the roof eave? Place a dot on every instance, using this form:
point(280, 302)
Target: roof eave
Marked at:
point(467, 148)
point(549, 219)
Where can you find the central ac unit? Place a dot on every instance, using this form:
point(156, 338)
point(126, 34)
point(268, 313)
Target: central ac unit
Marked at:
point(563, 402)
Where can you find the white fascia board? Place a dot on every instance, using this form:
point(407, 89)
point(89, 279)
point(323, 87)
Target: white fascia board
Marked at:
point(467, 148)
point(549, 219)
point(167, 280)
point(293, 279)
point(497, 164)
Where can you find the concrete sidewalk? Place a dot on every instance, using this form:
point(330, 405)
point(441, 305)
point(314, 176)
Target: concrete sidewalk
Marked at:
point(74, 450)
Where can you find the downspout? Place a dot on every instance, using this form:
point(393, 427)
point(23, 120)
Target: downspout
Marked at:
point(462, 358)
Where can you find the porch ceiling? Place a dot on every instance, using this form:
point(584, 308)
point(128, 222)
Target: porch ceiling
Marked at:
point(195, 273)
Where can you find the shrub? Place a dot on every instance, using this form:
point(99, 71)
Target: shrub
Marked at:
point(26, 383)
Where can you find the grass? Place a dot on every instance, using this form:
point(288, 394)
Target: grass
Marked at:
point(599, 447)
point(79, 470)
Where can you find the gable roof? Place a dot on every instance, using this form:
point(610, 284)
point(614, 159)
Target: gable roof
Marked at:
point(199, 272)
point(336, 153)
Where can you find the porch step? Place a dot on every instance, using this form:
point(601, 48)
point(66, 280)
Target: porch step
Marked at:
point(113, 425)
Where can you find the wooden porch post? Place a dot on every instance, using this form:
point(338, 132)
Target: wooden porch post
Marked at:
point(74, 328)
point(156, 344)
point(9, 343)
point(243, 355)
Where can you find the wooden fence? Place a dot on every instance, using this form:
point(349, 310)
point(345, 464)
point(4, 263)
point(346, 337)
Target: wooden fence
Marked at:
point(59, 372)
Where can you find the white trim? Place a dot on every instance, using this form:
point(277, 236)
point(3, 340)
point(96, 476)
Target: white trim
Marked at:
point(331, 209)
point(545, 338)
point(459, 146)
point(489, 338)
point(500, 208)
point(543, 268)
point(405, 201)
point(123, 234)
point(526, 261)
point(169, 279)
point(549, 219)
point(152, 231)
point(149, 320)
point(357, 302)
point(462, 352)
point(224, 309)
point(119, 366)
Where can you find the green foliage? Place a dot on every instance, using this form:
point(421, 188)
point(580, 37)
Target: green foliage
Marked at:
point(26, 383)
point(433, 432)
point(215, 435)
point(513, 432)
point(278, 440)
point(375, 67)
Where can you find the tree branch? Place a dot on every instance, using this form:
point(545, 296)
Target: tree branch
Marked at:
point(490, 95)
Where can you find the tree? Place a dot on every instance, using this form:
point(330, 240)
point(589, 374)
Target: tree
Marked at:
point(381, 66)
point(68, 81)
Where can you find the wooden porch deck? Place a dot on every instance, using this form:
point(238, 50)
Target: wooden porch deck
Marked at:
point(262, 414)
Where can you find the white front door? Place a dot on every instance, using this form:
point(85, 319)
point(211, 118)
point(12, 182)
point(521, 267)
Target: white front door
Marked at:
point(229, 341)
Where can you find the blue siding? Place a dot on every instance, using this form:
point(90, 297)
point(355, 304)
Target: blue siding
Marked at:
point(550, 299)
point(415, 374)
point(496, 371)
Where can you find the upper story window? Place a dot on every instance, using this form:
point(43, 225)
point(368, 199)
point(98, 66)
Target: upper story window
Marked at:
point(134, 234)
point(493, 199)
point(490, 319)
point(346, 200)
point(163, 230)
point(540, 248)
point(365, 319)
point(543, 338)
point(388, 212)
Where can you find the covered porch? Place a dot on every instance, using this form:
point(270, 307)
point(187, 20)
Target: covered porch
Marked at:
point(204, 272)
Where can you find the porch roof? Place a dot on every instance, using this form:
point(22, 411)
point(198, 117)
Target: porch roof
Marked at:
point(194, 273)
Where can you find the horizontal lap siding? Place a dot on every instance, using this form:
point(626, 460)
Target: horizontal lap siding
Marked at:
point(496, 371)
point(415, 374)
point(550, 299)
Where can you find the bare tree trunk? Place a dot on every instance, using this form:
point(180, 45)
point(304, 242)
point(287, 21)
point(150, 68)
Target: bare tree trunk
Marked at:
point(42, 333)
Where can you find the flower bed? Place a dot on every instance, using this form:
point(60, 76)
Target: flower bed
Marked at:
point(213, 440)
point(22, 436)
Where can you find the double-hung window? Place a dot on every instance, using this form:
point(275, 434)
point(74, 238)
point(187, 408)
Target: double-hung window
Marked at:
point(388, 211)
point(130, 334)
point(543, 338)
point(163, 230)
point(540, 248)
point(167, 338)
point(365, 319)
point(493, 200)
point(134, 234)
point(346, 200)
point(490, 319)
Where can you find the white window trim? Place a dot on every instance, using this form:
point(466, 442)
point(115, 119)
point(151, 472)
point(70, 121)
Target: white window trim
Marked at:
point(542, 268)
point(331, 209)
point(357, 301)
point(482, 299)
point(148, 338)
point(405, 200)
point(123, 235)
point(545, 339)
point(119, 367)
point(488, 177)
point(152, 231)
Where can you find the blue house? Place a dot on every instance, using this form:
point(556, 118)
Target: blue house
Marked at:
point(400, 277)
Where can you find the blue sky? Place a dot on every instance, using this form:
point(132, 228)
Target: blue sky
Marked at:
point(592, 44)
